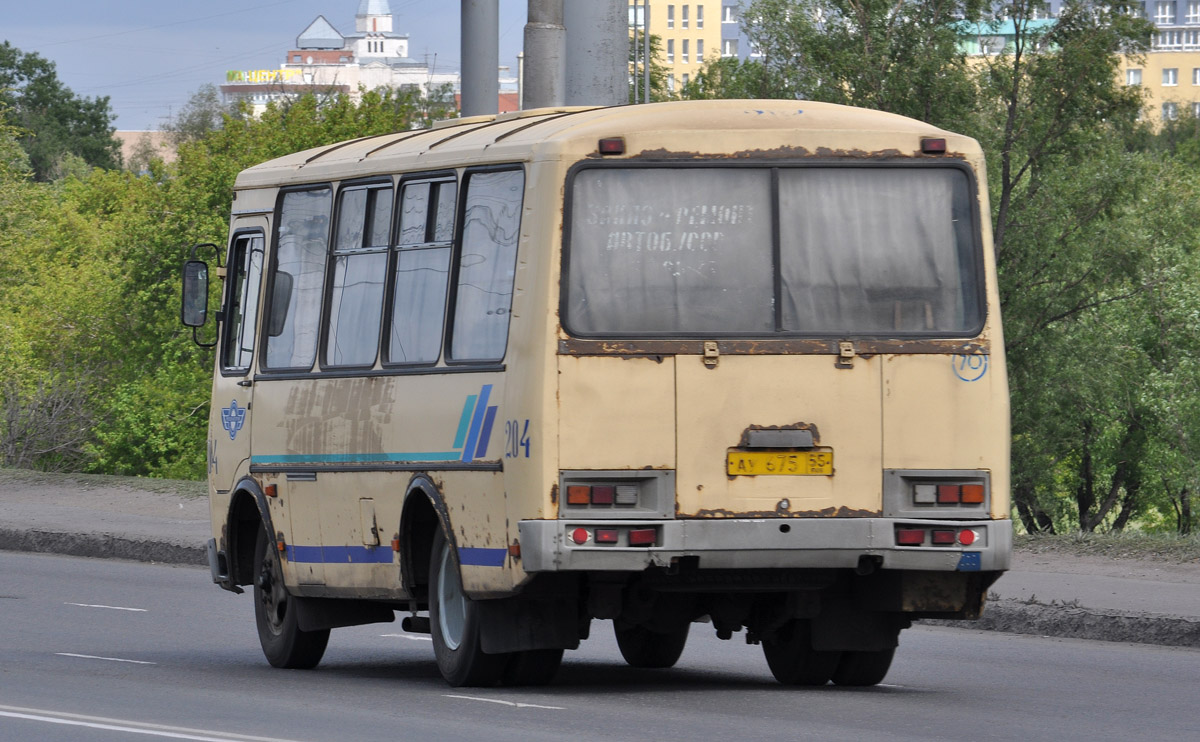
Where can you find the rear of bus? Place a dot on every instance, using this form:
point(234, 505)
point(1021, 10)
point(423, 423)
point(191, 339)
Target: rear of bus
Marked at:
point(782, 399)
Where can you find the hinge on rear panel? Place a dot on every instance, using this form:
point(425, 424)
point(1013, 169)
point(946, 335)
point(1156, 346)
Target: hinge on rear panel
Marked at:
point(712, 354)
point(845, 356)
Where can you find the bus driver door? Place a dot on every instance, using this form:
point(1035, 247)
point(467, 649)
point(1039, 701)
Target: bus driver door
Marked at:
point(233, 387)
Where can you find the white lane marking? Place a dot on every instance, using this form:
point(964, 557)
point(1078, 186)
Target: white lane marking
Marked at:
point(410, 637)
point(132, 727)
point(514, 704)
point(109, 607)
point(108, 659)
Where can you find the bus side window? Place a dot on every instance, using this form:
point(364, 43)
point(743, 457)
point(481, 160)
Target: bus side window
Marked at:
point(487, 264)
point(422, 266)
point(241, 307)
point(359, 269)
point(301, 253)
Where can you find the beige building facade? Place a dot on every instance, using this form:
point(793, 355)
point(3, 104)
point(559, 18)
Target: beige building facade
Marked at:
point(689, 33)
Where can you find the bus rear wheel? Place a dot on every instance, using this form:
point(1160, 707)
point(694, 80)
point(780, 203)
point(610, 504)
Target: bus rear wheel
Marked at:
point(283, 643)
point(644, 648)
point(863, 668)
point(792, 659)
point(454, 625)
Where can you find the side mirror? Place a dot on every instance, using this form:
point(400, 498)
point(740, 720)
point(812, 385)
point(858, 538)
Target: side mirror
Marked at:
point(281, 296)
point(194, 312)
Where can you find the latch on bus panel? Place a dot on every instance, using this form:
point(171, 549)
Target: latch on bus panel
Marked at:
point(712, 353)
point(845, 356)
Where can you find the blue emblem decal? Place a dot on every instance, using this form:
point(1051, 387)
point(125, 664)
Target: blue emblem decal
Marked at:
point(969, 367)
point(233, 418)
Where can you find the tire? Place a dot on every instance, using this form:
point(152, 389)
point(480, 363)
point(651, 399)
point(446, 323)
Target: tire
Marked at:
point(454, 624)
point(532, 667)
point(863, 668)
point(792, 659)
point(283, 643)
point(648, 649)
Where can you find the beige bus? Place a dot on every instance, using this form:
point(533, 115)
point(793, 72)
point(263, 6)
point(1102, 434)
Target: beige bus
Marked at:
point(725, 364)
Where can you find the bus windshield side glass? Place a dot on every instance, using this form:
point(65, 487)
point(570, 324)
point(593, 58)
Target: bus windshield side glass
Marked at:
point(799, 251)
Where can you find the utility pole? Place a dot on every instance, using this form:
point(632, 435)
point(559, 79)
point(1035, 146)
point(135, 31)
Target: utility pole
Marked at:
point(480, 57)
point(545, 76)
point(598, 52)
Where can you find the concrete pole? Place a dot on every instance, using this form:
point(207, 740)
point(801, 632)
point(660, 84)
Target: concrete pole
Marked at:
point(480, 57)
point(545, 56)
point(598, 52)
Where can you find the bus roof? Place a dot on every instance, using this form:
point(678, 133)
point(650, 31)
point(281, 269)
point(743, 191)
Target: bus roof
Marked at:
point(678, 129)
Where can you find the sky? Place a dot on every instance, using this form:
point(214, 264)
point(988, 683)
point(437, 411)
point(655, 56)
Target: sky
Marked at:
point(150, 56)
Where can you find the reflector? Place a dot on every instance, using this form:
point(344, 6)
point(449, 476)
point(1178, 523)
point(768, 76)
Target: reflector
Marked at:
point(642, 537)
point(966, 538)
point(579, 535)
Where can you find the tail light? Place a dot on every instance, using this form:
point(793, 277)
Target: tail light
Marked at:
point(643, 536)
point(603, 495)
point(971, 495)
point(911, 535)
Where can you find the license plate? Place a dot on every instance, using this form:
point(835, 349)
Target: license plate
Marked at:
point(785, 463)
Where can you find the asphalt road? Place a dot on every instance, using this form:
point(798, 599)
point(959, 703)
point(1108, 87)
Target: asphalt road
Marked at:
point(107, 650)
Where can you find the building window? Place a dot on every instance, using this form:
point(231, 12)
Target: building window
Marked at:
point(729, 13)
point(729, 48)
point(1164, 13)
point(1193, 12)
point(1133, 77)
point(670, 51)
point(670, 16)
point(699, 51)
point(685, 78)
point(1170, 111)
point(699, 16)
point(1196, 110)
point(683, 17)
point(671, 83)
point(1170, 76)
point(685, 52)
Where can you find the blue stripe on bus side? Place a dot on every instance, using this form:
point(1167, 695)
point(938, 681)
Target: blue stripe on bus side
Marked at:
point(476, 423)
point(469, 556)
point(354, 458)
point(340, 554)
point(486, 435)
point(461, 436)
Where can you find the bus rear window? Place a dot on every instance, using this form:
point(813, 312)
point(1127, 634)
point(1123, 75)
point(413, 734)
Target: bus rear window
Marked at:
point(804, 251)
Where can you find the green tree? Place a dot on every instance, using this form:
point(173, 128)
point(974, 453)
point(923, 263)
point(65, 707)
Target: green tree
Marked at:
point(730, 77)
point(904, 57)
point(54, 121)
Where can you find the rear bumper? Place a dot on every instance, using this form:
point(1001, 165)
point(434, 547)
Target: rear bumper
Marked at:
point(826, 543)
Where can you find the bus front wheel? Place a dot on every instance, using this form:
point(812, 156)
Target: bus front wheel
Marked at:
point(454, 624)
point(283, 643)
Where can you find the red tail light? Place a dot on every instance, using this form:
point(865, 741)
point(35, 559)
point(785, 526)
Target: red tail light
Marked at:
point(910, 536)
point(642, 537)
point(948, 493)
point(943, 538)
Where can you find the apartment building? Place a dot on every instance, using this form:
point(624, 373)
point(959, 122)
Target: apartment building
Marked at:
point(689, 33)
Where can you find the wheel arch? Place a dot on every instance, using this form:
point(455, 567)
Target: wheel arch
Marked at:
point(248, 512)
point(424, 512)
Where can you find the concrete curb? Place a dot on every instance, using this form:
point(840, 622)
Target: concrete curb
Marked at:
point(1077, 622)
point(103, 546)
